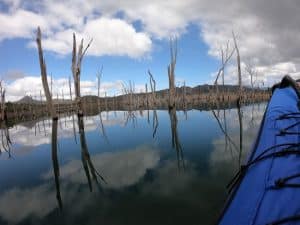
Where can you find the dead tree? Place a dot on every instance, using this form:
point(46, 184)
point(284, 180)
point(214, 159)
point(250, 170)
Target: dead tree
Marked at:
point(147, 97)
point(99, 76)
point(184, 96)
point(70, 89)
point(44, 75)
point(153, 88)
point(76, 70)
point(250, 69)
point(2, 103)
point(225, 56)
point(238, 65)
point(171, 72)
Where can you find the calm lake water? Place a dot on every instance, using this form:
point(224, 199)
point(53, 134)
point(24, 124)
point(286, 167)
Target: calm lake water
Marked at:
point(140, 168)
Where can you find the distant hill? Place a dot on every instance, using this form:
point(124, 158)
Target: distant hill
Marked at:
point(200, 89)
point(27, 100)
point(30, 100)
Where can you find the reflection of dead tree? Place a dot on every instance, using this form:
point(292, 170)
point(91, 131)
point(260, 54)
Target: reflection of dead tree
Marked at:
point(87, 163)
point(131, 117)
point(154, 123)
point(240, 115)
point(99, 76)
point(171, 72)
point(74, 128)
point(76, 70)
point(148, 116)
point(5, 139)
point(224, 131)
point(103, 128)
point(175, 139)
point(55, 162)
point(252, 124)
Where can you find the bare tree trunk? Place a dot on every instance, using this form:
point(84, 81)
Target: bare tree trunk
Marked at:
point(76, 70)
point(153, 89)
point(171, 72)
point(44, 75)
point(147, 97)
point(238, 64)
point(99, 75)
point(2, 104)
point(184, 96)
point(225, 55)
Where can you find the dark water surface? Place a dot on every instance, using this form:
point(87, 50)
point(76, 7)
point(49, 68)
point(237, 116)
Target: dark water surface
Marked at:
point(155, 167)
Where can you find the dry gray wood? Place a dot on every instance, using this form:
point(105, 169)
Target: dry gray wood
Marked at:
point(44, 74)
point(171, 72)
point(153, 88)
point(76, 69)
point(238, 63)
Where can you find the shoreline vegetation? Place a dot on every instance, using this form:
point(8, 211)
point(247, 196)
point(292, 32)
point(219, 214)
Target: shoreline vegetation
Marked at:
point(203, 97)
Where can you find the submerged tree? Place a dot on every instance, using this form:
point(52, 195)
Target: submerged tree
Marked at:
point(238, 58)
point(226, 55)
point(171, 72)
point(153, 88)
point(48, 95)
point(76, 70)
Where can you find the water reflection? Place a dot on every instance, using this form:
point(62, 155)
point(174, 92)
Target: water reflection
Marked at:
point(142, 184)
point(35, 133)
point(154, 123)
point(5, 139)
point(241, 134)
point(86, 159)
point(175, 139)
point(55, 161)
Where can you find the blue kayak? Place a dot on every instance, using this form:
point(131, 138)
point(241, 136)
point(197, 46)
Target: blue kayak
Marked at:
point(266, 190)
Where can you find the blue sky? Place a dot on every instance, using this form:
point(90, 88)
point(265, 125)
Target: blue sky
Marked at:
point(194, 65)
point(130, 37)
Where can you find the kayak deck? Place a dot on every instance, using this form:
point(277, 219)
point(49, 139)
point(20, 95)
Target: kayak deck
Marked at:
point(267, 188)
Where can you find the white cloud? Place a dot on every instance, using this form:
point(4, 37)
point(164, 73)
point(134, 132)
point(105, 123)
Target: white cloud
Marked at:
point(268, 34)
point(120, 169)
point(18, 88)
point(20, 206)
point(116, 37)
point(20, 23)
point(32, 134)
point(110, 37)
